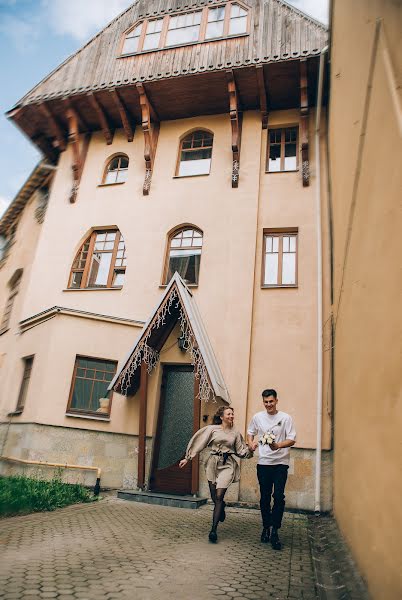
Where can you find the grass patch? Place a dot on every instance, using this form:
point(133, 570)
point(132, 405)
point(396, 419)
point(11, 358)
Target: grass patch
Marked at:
point(21, 495)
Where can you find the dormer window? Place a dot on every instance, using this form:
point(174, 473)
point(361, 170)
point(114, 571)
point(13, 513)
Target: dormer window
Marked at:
point(153, 34)
point(183, 29)
point(132, 40)
point(238, 20)
point(191, 27)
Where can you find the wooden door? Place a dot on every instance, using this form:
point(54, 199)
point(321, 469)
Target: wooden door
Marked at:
point(178, 419)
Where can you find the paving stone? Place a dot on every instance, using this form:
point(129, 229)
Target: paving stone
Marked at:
point(114, 549)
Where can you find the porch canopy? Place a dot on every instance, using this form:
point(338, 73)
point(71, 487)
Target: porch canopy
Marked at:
point(176, 305)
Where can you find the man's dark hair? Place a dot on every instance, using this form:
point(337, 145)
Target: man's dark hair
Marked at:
point(268, 392)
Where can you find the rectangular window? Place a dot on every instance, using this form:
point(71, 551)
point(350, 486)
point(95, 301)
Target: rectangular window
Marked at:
point(153, 34)
point(282, 149)
point(91, 379)
point(280, 259)
point(28, 362)
point(184, 29)
point(216, 21)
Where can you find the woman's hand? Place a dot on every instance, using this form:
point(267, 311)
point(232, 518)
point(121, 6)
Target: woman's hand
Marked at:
point(183, 463)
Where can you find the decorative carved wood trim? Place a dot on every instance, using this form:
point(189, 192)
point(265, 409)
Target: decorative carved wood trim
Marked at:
point(263, 96)
point(124, 115)
point(150, 127)
point(142, 433)
point(304, 119)
point(57, 132)
point(107, 130)
point(46, 147)
point(236, 123)
point(79, 155)
point(82, 123)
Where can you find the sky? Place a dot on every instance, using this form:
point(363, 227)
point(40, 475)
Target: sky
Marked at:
point(35, 37)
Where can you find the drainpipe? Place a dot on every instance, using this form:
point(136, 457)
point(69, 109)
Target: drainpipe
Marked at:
point(58, 465)
point(317, 495)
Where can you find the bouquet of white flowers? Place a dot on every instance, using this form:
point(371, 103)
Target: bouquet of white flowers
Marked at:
point(267, 438)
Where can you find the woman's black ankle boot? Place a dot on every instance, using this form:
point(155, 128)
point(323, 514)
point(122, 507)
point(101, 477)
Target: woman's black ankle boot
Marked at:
point(213, 536)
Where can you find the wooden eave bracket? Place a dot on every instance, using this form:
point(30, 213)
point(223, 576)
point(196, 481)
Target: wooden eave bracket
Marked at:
point(236, 123)
point(263, 96)
point(59, 137)
point(304, 119)
point(150, 127)
point(124, 115)
point(79, 154)
point(102, 118)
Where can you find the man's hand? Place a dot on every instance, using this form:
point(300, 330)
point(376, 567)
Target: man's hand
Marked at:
point(274, 446)
point(253, 446)
point(183, 463)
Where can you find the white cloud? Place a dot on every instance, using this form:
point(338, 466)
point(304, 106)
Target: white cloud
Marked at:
point(4, 202)
point(318, 9)
point(81, 19)
point(22, 33)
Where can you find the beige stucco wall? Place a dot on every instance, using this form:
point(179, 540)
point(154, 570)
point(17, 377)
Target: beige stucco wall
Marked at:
point(366, 149)
point(21, 256)
point(260, 337)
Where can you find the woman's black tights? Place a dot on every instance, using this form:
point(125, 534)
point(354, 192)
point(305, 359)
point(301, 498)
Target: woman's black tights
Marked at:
point(217, 496)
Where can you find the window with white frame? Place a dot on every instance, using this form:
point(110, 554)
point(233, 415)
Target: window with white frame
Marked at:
point(184, 28)
point(195, 154)
point(216, 22)
point(184, 255)
point(116, 170)
point(238, 20)
point(280, 259)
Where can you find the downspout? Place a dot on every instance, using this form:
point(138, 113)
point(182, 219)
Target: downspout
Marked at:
point(317, 495)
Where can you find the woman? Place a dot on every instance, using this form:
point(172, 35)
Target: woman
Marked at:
point(221, 467)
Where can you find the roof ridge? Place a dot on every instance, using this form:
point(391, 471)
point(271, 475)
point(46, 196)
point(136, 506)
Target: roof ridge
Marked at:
point(303, 14)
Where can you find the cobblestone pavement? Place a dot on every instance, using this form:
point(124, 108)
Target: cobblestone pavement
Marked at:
point(119, 549)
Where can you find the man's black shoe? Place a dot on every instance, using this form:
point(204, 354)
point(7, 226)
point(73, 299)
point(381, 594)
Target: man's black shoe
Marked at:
point(265, 536)
point(275, 541)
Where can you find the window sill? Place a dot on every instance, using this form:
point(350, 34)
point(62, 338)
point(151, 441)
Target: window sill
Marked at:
point(279, 287)
point(173, 46)
point(104, 185)
point(189, 176)
point(90, 417)
point(277, 172)
point(15, 413)
point(112, 289)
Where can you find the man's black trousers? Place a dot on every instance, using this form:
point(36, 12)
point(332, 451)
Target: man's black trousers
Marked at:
point(272, 477)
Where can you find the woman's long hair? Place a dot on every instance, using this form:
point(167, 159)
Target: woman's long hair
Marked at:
point(217, 418)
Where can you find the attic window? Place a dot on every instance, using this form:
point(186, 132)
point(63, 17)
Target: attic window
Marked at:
point(191, 27)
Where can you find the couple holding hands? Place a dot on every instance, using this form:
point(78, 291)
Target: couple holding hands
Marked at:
point(275, 435)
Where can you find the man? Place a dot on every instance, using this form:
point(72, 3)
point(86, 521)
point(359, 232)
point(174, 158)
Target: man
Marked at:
point(276, 435)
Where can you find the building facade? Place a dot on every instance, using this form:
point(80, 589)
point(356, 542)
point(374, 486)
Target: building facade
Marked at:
point(366, 183)
point(177, 267)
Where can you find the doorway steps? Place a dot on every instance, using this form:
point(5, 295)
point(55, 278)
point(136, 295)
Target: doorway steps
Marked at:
point(161, 499)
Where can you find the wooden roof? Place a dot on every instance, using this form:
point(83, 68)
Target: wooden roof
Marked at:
point(278, 32)
point(100, 86)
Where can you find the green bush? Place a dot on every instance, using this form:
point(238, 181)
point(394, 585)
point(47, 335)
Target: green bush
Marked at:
point(21, 494)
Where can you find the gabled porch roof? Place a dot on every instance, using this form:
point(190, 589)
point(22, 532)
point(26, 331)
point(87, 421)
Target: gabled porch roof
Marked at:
point(176, 305)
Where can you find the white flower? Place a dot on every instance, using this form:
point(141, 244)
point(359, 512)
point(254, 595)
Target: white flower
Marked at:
point(267, 438)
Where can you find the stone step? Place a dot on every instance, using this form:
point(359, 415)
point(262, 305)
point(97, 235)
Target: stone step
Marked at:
point(162, 499)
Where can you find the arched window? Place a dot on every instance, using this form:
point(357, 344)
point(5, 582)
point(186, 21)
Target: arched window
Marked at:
point(184, 255)
point(195, 154)
point(100, 262)
point(116, 170)
point(13, 287)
